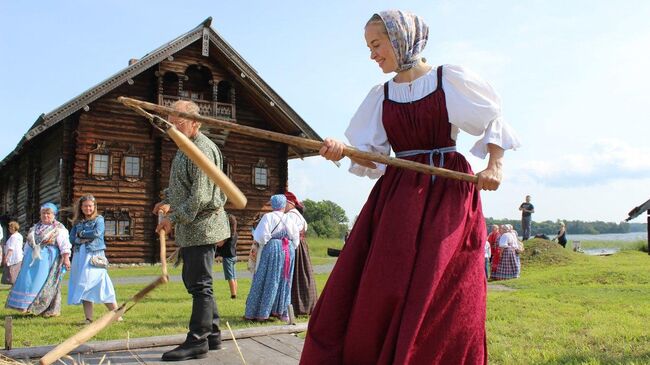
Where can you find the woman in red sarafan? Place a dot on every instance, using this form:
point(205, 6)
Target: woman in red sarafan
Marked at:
point(409, 286)
point(495, 252)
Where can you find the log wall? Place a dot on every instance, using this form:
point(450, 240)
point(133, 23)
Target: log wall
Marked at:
point(55, 165)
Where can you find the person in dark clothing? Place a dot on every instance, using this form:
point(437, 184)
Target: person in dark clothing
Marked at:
point(228, 251)
point(527, 209)
point(561, 235)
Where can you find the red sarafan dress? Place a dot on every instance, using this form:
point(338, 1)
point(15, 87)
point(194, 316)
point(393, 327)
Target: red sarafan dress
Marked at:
point(409, 285)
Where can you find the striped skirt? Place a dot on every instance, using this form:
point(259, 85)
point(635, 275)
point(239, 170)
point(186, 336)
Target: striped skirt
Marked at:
point(509, 265)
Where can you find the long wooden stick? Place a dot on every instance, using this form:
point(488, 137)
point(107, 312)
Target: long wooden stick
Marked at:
point(82, 336)
point(95, 327)
point(236, 345)
point(306, 143)
point(162, 236)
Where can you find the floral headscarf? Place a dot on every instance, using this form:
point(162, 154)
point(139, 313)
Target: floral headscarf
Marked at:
point(408, 35)
point(278, 202)
point(51, 207)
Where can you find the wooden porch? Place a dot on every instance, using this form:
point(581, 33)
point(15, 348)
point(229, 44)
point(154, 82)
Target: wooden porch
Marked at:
point(278, 345)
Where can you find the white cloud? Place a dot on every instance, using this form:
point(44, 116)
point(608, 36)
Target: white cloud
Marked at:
point(603, 161)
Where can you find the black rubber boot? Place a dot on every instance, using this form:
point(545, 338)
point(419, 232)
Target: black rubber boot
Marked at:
point(190, 349)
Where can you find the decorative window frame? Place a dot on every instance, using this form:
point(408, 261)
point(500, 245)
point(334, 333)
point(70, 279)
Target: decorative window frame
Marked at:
point(118, 225)
point(100, 150)
point(260, 175)
point(123, 167)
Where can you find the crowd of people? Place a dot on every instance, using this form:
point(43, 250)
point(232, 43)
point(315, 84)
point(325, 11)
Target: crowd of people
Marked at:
point(503, 246)
point(35, 270)
point(502, 253)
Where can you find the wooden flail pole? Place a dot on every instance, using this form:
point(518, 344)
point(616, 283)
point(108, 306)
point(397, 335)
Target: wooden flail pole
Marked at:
point(95, 327)
point(162, 236)
point(235, 196)
point(305, 143)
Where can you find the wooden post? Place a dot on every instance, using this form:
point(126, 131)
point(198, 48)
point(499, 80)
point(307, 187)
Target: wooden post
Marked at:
point(8, 332)
point(648, 231)
point(292, 316)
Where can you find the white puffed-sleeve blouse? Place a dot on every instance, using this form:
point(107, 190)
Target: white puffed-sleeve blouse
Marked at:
point(472, 105)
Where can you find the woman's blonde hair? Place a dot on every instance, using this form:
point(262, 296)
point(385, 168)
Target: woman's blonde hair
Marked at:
point(78, 214)
point(14, 225)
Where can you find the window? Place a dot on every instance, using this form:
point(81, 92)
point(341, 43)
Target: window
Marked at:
point(132, 168)
point(224, 92)
point(99, 165)
point(99, 162)
point(261, 175)
point(117, 224)
point(170, 84)
point(197, 83)
point(124, 225)
point(109, 227)
point(227, 167)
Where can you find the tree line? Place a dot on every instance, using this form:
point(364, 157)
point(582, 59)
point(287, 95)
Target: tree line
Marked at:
point(325, 219)
point(575, 227)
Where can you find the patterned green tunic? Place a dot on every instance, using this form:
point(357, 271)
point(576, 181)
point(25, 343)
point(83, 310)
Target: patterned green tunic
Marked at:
point(196, 202)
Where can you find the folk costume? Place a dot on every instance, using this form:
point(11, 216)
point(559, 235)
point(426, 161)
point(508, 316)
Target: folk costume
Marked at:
point(303, 287)
point(199, 219)
point(510, 264)
point(89, 281)
point(270, 293)
point(409, 286)
point(38, 286)
point(493, 238)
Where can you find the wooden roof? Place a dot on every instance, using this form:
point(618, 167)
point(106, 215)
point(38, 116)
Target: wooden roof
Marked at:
point(273, 106)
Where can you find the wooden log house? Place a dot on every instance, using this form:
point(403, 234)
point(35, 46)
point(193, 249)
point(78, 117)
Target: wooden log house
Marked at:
point(93, 144)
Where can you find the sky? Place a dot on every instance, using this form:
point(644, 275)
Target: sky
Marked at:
point(573, 77)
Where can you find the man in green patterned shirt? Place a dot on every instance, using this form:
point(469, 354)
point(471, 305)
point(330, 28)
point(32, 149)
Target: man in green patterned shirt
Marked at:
point(195, 207)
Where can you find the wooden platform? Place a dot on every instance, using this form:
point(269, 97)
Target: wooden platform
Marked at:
point(282, 349)
point(259, 345)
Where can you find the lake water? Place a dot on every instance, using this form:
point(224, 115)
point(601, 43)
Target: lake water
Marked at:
point(628, 237)
point(601, 251)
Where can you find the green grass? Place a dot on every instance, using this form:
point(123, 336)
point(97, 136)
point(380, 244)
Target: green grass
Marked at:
point(567, 308)
point(318, 249)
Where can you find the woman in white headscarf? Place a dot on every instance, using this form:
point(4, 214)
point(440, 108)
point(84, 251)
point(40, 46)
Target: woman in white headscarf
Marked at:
point(409, 286)
point(509, 263)
point(278, 237)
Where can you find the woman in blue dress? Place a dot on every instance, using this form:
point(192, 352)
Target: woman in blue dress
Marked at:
point(89, 280)
point(38, 286)
point(278, 238)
